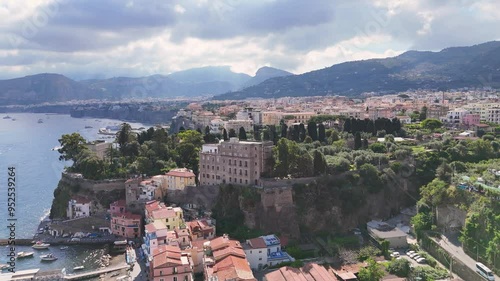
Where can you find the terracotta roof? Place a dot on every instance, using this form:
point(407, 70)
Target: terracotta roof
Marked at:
point(233, 268)
point(309, 272)
point(184, 174)
point(163, 213)
point(150, 228)
point(257, 243)
point(198, 243)
point(151, 206)
point(219, 242)
point(166, 255)
point(119, 203)
point(127, 216)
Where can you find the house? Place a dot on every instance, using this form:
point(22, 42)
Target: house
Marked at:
point(99, 147)
point(118, 207)
point(382, 231)
point(225, 260)
point(311, 271)
point(171, 216)
point(78, 207)
point(201, 229)
point(126, 225)
point(404, 119)
point(178, 179)
point(265, 251)
point(169, 264)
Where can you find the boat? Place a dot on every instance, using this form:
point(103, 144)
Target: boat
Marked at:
point(56, 148)
point(48, 257)
point(39, 245)
point(105, 131)
point(64, 247)
point(21, 255)
point(6, 117)
point(78, 267)
point(13, 119)
point(88, 127)
point(4, 266)
point(40, 121)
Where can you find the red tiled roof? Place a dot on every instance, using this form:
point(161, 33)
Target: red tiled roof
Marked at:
point(257, 243)
point(180, 174)
point(150, 228)
point(151, 206)
point(166, 255)
point(163, 213)
point(219, 242)
point(127, 216)
point(309, 272)
point(233, 268)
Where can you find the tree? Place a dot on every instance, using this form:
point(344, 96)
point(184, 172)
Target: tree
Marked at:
point(378, 147)
point(444, 172)
point(124, 136)
point(399, 267)
point(302, 132)
point(373, 272)
point(357, 141)
point(370, 127)
point(431, 124)
point(423, 113)
point(319, 163)
point(191, 136)
point(312, 130)
point(421, 221)
point(347, 125)
point(242, 134)
point(224, 134)
point(321, 132)
point(284, 130)
point(71, 146)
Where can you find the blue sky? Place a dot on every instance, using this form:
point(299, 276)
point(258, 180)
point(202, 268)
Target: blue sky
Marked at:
point(106, 38)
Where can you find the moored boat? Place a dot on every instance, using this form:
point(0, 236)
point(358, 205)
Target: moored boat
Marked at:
point(21, 255)
point(40, 121)
point(78, 267)
point(6, 117)
point(39, 245)
point(48, 257)
point(64, 247)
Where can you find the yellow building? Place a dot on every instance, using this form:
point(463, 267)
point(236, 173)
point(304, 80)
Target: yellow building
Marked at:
point(172, 217)
point(178, 179)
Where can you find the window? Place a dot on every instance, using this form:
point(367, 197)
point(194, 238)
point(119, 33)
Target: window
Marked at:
point(240, 163)
point(174, 270)
point(175, 278)
point(246, 173)
point(246, 164)
point(240, 181)
point(260, 259)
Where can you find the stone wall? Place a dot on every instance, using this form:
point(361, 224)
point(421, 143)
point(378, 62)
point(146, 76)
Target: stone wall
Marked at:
point(450, 217)
point(92, 185)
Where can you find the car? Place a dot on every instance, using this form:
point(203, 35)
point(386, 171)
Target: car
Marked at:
point(75, 240)
point(421, 260)
point(396, 254)
point(412, 255)
point(416, 257)
point(410, 252)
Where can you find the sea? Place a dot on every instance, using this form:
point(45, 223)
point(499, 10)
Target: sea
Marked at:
point(27, 143)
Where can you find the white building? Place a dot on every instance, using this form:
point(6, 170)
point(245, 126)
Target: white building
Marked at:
point(216, 126)
point(456, 116)
point(250, 113)
point(265, 250)
point(78, 207)
point(382, 231)
point(237, 124)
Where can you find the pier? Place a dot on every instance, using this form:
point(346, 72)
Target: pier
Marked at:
point(94, 273)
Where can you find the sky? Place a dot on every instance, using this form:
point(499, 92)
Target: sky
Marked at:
point(86, 39)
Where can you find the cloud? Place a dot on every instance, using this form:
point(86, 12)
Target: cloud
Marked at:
point(94, 38)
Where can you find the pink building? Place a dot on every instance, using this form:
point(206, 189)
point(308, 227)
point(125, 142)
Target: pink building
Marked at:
point(118, 207)
point(169, 264)
point(126, 225)
point(471, 119)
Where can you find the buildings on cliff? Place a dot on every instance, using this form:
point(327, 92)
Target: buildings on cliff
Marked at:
point(234, 162)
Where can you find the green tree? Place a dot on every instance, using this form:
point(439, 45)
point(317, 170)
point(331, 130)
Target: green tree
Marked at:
point(444, 172)
point(423, 113)
point(357, 141)
point(321, 132)
point(232, 133)
point(319, 163)
point(373, 272)
point(190, 136)
point(431, 124)
point(399, 267)
point(124, 137)
point(378, 147)
point(312, 130)
point(71, 146)
point(421, 221)
point(224, 134)
point(242, 135)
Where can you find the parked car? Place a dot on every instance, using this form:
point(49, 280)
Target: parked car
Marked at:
point(416, 257)
point(75, 240)
point(410, 252)
point(421, 260)
point(412, 255)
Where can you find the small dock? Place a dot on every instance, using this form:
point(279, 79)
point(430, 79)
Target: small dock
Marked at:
point(94, 273)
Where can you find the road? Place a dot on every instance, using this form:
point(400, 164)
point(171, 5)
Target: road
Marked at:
point(451, 243)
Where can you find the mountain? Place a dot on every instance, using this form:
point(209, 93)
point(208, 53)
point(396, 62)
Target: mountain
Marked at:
point(210, 74)
point(263, 74)
point(44, 87)
point(451, 68)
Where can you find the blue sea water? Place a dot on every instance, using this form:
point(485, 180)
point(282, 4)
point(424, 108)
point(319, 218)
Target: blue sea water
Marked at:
point(27, 145)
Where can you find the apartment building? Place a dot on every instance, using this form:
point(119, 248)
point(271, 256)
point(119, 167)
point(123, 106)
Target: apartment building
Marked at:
point(173, 217)
point(168, 263)
point(437, 111)
point(492, 115)
point(271, 117)
point(456, 116)
point(265, 250)
point(249, 113)
point(237, 124)
point(178, 179)
point(126, 225)
point(234, 162)
point(78, 207)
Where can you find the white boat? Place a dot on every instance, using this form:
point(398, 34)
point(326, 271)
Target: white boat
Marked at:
point(4, 266)
point(78, 267)
point(24, 255)
point(48, 257)
point(6, 117)
point(64, 247)
point(39, 245)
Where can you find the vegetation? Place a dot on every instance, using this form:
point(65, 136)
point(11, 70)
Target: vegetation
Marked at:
point(399, 267)
point(373, 272)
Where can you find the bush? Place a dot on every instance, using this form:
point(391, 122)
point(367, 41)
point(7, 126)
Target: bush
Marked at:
point(430, 260)
point(367, 252)
point(399, 267)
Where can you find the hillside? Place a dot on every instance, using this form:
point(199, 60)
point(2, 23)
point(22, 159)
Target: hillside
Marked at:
point(263, 74)
point(41, 88)
point(456, 67)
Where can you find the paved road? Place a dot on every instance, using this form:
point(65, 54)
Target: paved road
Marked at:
point(451, 243)
point(139, 272)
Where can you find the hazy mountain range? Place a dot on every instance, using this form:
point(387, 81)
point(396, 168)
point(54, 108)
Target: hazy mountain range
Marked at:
point(49, 87)
point(451, 68)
